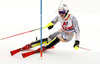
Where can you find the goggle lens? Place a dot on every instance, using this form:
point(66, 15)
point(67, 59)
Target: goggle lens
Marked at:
point(61, 12)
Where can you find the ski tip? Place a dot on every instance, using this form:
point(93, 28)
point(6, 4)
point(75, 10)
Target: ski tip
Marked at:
point(14, 52)
point(11, 53)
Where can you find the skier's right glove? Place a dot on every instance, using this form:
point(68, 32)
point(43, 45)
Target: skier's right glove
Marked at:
point(50, 25)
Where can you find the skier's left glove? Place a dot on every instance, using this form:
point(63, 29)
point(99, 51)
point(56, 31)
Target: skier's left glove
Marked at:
point(76, 44)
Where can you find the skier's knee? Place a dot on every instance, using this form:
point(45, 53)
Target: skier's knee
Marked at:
point(60, 37)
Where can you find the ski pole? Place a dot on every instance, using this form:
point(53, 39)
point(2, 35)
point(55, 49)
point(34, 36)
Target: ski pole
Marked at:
point(24, 32)
point(85, 48)
point(19, 34)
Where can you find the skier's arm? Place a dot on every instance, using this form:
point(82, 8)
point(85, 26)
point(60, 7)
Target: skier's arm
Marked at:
point(52, 23)
point(77, 32)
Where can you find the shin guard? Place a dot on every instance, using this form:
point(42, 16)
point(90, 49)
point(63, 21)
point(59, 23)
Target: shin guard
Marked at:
point(52, 43)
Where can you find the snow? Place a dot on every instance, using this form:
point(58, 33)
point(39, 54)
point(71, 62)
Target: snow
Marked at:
point(24, 15)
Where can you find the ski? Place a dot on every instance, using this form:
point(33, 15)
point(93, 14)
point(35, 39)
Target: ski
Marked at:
point(13, 52)
point(33, 52)
point(28, 54)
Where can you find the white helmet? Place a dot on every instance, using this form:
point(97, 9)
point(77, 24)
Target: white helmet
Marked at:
point(63, 8)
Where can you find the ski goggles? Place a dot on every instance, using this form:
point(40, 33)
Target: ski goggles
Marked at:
point(61, 12)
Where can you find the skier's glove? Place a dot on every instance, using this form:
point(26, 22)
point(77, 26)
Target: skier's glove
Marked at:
point(76, 44)
point(50, 25)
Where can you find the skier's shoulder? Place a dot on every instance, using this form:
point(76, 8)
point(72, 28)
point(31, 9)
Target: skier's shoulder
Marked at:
point(72, 16)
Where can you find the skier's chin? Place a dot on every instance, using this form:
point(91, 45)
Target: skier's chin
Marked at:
point(62, 15)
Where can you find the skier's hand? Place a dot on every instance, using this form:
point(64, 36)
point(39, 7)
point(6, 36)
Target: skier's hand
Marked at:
point(76, 45)
point(50, 25)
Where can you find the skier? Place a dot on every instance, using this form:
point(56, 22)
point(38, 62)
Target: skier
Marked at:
point(69, 26)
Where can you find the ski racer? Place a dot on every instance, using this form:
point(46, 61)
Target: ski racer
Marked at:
point(69, 26)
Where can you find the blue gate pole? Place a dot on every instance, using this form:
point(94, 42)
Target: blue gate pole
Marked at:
point(41, 26)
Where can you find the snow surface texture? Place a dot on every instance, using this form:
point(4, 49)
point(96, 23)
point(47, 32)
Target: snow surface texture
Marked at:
point(17, 16)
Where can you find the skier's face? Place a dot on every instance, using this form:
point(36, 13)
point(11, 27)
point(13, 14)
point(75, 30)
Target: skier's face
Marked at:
point(62, 13)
